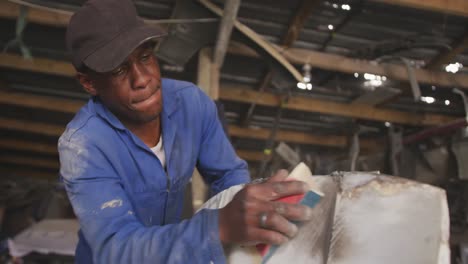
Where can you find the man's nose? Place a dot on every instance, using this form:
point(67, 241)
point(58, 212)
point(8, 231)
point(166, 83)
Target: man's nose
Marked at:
point(140, 76)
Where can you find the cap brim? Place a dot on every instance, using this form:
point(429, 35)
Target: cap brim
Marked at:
point(114, 53)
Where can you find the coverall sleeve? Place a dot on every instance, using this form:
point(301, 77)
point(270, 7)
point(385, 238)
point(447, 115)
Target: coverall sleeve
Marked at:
point(110, 226)
point(218, 163)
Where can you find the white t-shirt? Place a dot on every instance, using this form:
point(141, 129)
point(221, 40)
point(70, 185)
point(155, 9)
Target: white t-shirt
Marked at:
point(158, 150)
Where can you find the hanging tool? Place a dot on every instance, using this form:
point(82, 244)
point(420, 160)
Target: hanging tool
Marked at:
point(465, 103)
point(21, 23)
point(396, 146)
point(354, 149)
point(415, 89)
point(271, 139)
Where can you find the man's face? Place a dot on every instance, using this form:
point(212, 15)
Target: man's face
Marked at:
point(132, 91)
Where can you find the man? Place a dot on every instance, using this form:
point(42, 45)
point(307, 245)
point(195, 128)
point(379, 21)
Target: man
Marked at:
point(128, 154)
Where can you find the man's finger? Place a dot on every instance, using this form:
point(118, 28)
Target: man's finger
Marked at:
point(270, 191)
point(293, 212)
point(265, 236)
point(280, 175)
point(275, 222)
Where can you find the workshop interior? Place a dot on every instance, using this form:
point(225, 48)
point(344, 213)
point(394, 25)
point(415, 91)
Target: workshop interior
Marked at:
point(371, 86)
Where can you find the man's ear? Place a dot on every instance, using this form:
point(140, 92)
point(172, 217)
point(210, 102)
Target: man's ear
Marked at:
point(87, 83)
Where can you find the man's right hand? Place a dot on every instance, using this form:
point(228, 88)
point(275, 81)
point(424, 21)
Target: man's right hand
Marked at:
point(253, 216)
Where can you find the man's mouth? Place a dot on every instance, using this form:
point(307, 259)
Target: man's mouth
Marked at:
point(143, 98)
point(143, 101)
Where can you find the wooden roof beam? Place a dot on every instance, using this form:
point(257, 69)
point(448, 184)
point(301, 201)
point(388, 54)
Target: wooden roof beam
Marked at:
point(36, 15)
point(296, 24)
point(249, 155)
point(31, 127)
point(44, 148)
point(30, 146)
point(32, 173)
point(71, 106)
point(39, 147)
point(33, 162)
point(449, 56)
point(343, 64)
point(303, 12)
point(452, 7)
point(236, 94)
point(41, 102)
point(249, 96)
point(225, 29)
point(41, 65)
point(299, 56)
point(300, 137)
point(349, 65)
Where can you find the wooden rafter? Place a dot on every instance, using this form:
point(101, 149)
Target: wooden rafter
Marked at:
point(348, 65)
point(41, 102)
point(260, 41)
point(447, 57)
point(231, 7)
point(251, 155)
point(299, 137)
point(71, 106)
point(41, 65)
point(299, 56)
point(396, 72)
point(249, 96)
point(44, 148)
point(30, 146)
point(452, 7)
point(20, 171)
point(296, 24)
point(31, 127)
point(33, 162)
point(303, 12)
point(39, 16)
point(334, 108)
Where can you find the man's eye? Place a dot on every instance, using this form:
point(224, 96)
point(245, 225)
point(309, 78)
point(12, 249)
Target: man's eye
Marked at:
point(119, 71)
point(145, 57)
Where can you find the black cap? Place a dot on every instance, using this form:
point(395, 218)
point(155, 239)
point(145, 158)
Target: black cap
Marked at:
point(102, 33)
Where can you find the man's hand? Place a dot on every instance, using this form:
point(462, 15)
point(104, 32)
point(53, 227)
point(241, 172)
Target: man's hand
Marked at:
point(253, 216)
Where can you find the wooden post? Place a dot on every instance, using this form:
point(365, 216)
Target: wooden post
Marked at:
point(208, 81)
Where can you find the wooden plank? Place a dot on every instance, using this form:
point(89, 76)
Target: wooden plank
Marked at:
point(231, 7)
point(447, 57)
point(230, 93)
point(41, 65)
point(33, 162)
point(299, 137)
point(257, 39)
point(397, 72)
point(343, 64)
point(377, 96)
point(204, 69)
point(31, 127)
point(39, 147)
point(23, 145)
point(452, 7)
point(299, 56)
point(25, 172)
point(208, 73)
point(297, 22)
point(249, 155)
point(41, 102)
point(36, 15)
